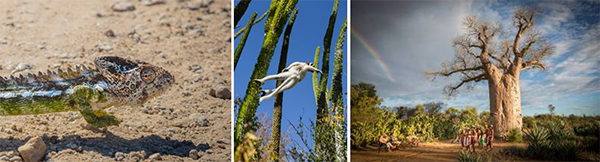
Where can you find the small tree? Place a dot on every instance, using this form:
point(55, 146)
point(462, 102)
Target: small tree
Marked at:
point(552, 109)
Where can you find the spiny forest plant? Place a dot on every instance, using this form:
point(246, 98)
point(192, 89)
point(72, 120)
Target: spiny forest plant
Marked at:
point(330, 121)
point(279, 14)
point(274, 144)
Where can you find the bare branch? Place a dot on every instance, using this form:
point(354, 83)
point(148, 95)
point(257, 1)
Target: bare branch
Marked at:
point(463, 44)
point(450, 72)
point(533, 64)
point(451, 90)
point(523, 20)
point(535, 59)
point(532, 38)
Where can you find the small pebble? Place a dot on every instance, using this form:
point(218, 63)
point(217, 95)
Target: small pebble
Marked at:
point(16, 159)
point(196, 68)
point(110, 33)
point(155, 156)
point(119, 156)
point(196, 31)
point(202, 121)
point(104, 48)
point(33, 150)
point(123, 7)
point(152, 2)
point(21, 67)
point(221, 92)
point(194, 154)
point(189, 26)
point(138, 155)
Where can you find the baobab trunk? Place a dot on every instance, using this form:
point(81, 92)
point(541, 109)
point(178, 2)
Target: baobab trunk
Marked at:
point(505, 104)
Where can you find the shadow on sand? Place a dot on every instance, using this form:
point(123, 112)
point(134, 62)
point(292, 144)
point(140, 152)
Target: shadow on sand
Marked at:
point(110, 144)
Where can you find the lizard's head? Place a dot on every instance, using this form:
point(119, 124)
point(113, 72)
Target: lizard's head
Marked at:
point(133, 82)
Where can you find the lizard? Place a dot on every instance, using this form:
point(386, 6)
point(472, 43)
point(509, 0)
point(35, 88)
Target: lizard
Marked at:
point(112, 81)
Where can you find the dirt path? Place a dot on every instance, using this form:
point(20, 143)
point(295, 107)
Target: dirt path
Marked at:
point(435, 151)
point(189, 38)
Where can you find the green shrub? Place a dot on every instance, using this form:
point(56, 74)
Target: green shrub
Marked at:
point(551, 145)
point(514, 136)
point(565, 150)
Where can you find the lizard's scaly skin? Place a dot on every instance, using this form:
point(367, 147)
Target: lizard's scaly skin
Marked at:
point(114, 81)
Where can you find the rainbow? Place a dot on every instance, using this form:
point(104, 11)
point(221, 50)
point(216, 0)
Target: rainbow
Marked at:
point(376, 55)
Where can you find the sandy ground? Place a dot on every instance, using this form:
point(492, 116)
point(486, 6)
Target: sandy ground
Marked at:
point(435, 151)
point(191, 39)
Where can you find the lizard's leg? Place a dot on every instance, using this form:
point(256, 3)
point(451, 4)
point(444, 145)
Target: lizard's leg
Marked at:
point(83, 97)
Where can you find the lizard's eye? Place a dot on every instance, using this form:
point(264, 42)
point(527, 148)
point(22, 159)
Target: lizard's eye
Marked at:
point(147, 75)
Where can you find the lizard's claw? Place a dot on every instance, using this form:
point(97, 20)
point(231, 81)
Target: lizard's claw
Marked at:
point(105, 121)
point(100, 119)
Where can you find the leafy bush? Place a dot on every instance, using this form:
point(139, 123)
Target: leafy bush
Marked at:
point(514, 136)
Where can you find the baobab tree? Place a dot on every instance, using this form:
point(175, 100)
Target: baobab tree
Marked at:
point(486, 53)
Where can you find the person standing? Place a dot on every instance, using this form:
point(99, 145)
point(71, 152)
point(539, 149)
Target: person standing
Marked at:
point(473, 139)
point(490, 137)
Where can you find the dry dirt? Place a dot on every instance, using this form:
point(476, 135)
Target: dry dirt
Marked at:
point(435, 151)
point(189, 38)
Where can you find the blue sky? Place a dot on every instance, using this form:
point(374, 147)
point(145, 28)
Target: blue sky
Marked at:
point(308, 32)
point(416, 36)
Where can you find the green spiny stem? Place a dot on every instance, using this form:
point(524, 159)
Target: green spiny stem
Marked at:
point(275, 4)
point(337, 97)
point(315, 78)
point(256, 21)
point(276, 130)
point(324, 137)
point(250, 104)
point(336, 90)
point(239, 11)
point(322, 97)
point(240, 46)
